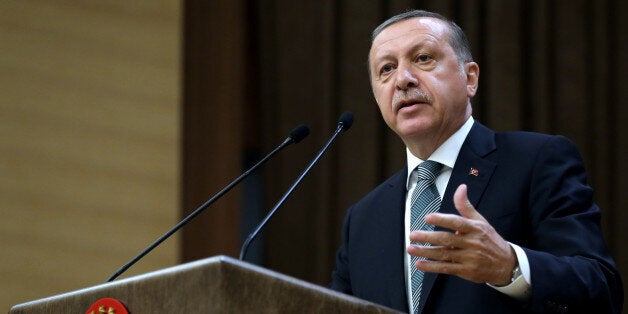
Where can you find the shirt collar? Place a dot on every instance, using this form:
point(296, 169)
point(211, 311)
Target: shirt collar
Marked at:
point(446, 153)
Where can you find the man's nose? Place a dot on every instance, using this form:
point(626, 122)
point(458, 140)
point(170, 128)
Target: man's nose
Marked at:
point(406, 79)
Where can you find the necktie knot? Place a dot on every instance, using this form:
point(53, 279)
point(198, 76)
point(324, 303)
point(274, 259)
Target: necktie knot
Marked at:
point(428, 170)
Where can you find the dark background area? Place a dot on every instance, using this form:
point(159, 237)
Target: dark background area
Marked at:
point(253, 70)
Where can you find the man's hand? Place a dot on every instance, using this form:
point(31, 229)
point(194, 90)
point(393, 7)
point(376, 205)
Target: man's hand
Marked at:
point(475, 252)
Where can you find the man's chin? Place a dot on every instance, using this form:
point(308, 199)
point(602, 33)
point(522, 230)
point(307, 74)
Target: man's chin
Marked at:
point(414, 128)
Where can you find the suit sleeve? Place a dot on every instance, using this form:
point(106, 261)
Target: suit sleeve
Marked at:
point(340, 276)
point(571, 268)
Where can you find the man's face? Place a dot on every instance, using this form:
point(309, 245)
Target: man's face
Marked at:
point(420, 87)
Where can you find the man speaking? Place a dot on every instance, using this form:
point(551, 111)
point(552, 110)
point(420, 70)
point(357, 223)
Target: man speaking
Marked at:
point(478, 221)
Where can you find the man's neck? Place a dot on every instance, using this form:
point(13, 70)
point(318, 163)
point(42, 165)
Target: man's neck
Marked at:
point(424, 152)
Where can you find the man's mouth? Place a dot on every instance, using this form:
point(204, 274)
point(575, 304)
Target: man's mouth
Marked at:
point(411, 98)
point(409, 103)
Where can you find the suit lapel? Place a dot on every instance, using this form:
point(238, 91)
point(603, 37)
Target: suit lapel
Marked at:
point(393, 221)
point(471, 169)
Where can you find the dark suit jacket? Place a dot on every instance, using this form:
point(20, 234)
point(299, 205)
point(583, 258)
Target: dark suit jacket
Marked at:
point(532, 189)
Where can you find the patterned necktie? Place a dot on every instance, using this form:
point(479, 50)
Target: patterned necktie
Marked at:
point(425, 200)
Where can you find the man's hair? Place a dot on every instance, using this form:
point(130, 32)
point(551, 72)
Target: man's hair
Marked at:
point(457, 38)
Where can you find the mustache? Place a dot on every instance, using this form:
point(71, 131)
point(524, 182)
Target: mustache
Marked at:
point(401, 97)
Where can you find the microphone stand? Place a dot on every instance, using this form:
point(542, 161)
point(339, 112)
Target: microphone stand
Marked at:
point(295, 136)
point(345, 123)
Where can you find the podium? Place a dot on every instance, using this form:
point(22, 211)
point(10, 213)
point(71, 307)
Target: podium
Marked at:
point(217, 284)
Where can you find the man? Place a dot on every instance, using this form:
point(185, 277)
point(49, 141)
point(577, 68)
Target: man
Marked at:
point(510, 227)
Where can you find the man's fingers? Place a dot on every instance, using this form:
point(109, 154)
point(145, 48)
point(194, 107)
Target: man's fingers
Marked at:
point(464, 206)
point(440, 267)
point(436, 253)
point(449, 221)
point(436, 238)
point(466, 222)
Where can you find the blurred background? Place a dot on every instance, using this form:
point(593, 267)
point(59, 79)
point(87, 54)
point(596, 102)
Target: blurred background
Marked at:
point(117, 118)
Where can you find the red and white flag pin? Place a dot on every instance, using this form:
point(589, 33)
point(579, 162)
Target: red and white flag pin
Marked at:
point(474, 172)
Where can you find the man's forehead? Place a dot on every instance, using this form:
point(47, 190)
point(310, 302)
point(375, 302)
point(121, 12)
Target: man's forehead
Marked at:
point(410, 28)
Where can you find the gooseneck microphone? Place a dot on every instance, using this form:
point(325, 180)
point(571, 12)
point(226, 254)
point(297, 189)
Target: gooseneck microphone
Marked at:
point(296, 135)
point(344, 123)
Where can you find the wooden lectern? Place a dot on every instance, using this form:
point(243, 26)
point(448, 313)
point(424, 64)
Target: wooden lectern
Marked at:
point(214, 285)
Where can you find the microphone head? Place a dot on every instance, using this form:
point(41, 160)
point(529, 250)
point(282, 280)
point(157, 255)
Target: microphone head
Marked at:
point(299, 133)
point(346, 120)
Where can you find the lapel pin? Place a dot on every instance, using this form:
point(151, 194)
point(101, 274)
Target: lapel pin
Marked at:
point(474, 172)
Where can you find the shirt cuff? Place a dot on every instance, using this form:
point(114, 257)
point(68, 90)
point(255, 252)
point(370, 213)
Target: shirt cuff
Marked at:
point(521, 288)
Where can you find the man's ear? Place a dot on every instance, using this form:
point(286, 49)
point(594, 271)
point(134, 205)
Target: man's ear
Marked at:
point(472, 71)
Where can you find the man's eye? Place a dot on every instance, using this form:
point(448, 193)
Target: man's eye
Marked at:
point(424, 58)
point(387, 68)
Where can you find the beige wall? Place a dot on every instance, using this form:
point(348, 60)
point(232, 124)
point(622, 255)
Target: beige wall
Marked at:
point(89, 140)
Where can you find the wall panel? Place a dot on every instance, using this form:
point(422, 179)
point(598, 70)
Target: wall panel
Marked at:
point(88, 141)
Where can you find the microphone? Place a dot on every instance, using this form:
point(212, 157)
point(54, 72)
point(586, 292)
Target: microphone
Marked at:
point(296, 135)
point(344, 123)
